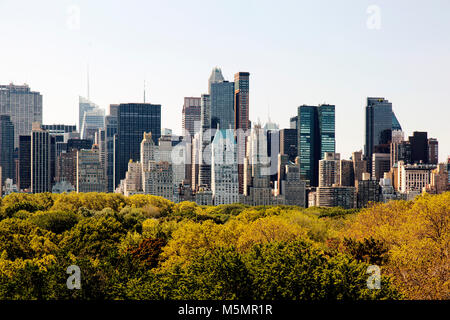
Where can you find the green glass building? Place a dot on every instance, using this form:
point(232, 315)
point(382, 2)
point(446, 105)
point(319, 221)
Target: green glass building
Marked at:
point(316, 135)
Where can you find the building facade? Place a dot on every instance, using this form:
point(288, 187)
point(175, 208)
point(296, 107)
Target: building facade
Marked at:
point(7, 148)
point(23, 106)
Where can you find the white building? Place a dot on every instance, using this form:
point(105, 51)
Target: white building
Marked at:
point(224, 168)
point(414, 177)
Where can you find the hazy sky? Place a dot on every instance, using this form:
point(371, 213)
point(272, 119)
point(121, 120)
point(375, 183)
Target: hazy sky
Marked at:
point(297, 52)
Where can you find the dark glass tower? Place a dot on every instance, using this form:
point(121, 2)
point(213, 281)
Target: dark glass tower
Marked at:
point(110, 131)
point(24, 163)
point(6, 147)
point(222, 105)
point(380, 121)
point(419, 147)
point(133, 119)
point(326, 114)
point(308, 143)
point(316, 135)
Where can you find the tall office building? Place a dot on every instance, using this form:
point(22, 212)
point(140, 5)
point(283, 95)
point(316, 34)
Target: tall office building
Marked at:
point(23, 106)
point(419, 147)
point(93, 120)
point(133, 119)
point(40, 159)
point(293, 121)
point(191, 115)
point(289, 143)
point(215, 77)
point(6, 147)
point(110, 132)
point(205, 137)
point(241, 100)
point(380, 122)
point(222, 105)
point(433, 151)
point(316, 126)
point(24, 176)
point(84, 105)
point(326, 117)
point(359, 165)
point(241, 119)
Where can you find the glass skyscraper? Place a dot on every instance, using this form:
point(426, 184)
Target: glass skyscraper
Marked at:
point(133, 119)
point(222, 105)
point(6, 147)
point(316, 135)
point(326, 114)
point(380, 121)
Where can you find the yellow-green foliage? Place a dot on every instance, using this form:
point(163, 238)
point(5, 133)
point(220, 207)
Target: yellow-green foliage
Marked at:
point(143, 247)
point(417, 236)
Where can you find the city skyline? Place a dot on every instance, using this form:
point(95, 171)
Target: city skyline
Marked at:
point(340, 62)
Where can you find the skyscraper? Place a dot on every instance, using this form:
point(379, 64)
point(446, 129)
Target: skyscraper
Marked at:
point(241, 119)
point(133, 119)
point(205, 137)
point(288, 143)
point(222, 100)
point(380, 121)
point(326, 116)
point(6, 147)
point(241, 100)
point(84, 105)
point(419, 147)
point(433, 151)
point(40, 160)
point(191, 115)
point(93, 120)
point(316, 135)
point(110, 132)
point(222, 105)
point(23, 106)
point(24, 175)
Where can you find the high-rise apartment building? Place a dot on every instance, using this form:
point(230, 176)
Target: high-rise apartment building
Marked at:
point(204, 176)
point(329, 170)
point(40, 159)
point(7, 148)
point(23, 106)
point(133, 119)
point(241, 119)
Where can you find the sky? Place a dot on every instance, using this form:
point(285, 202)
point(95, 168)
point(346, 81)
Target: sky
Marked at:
point(297, 52)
